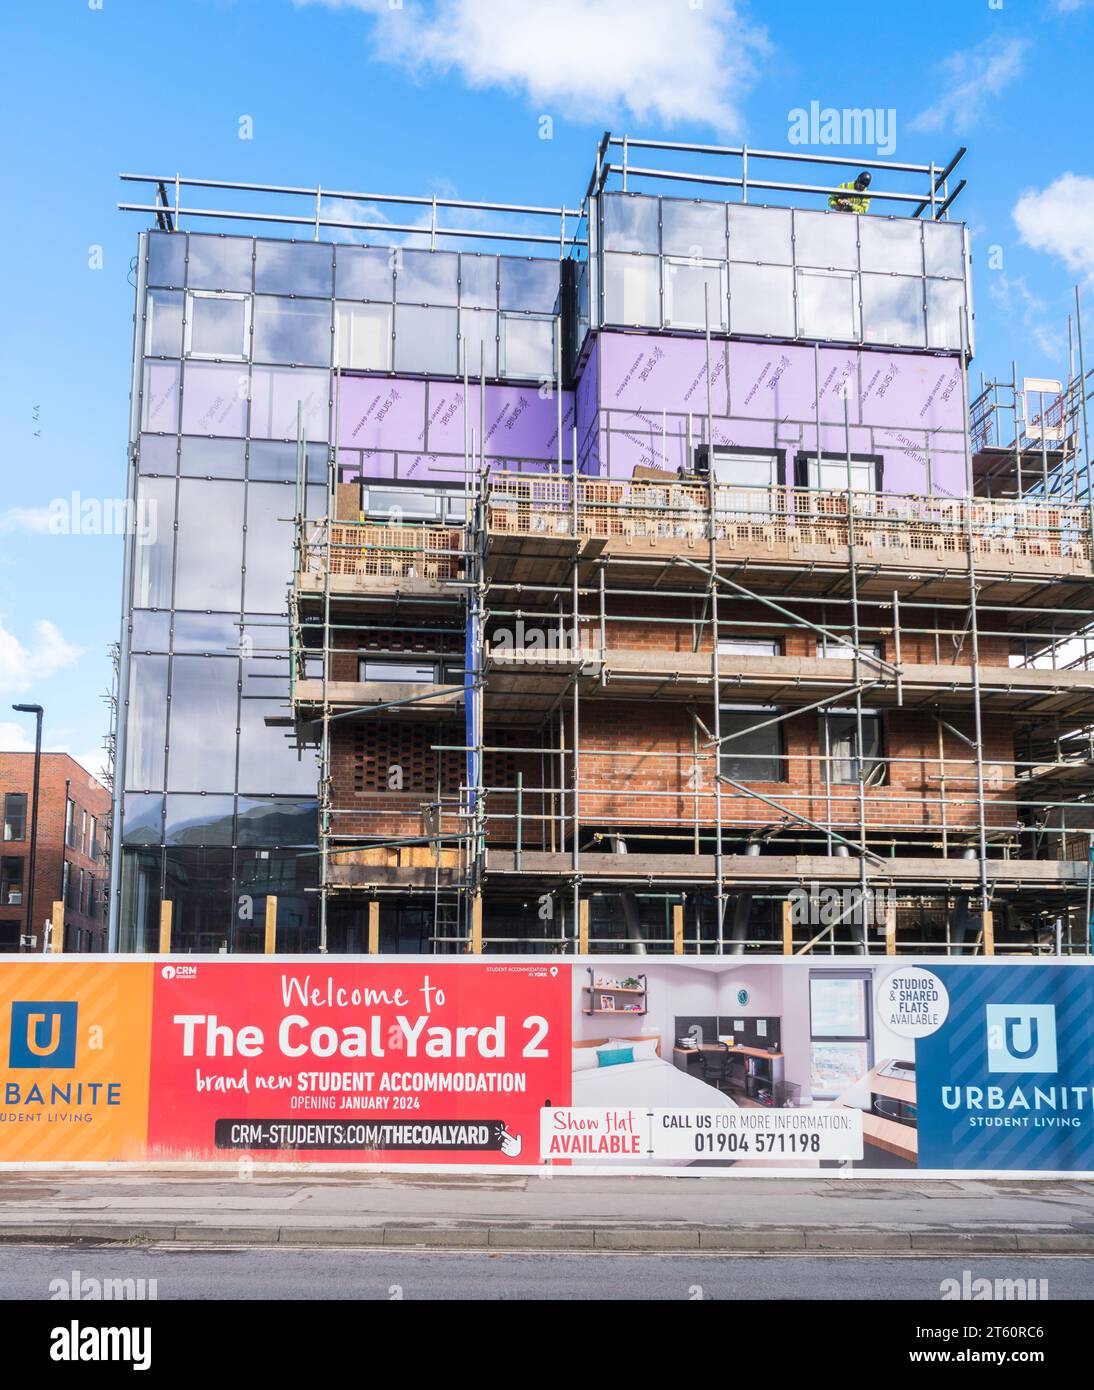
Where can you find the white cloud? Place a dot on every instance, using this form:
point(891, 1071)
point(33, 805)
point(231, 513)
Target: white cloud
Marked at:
point(21, 666)
point(972, 76)
point(1015, 298)
point(658, 60)
point(16, 738)
point(1059, 219)
point(32, 521)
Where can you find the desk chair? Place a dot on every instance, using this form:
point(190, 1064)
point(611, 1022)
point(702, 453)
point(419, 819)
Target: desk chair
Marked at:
point(714, 1064)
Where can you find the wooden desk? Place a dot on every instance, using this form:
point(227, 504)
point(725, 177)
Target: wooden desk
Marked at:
point(890, 1135)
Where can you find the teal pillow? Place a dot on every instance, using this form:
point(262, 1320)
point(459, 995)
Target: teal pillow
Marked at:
point(616, 1057)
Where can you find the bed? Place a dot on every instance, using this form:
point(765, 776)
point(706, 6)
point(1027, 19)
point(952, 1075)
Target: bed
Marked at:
point(648, 1082)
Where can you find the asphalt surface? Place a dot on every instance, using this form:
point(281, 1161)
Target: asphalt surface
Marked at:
point(35, 1272)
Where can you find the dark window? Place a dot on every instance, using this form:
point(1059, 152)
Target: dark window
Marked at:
point(15, 816)
point(840, 738)
point(752, 754)
point(11, 883)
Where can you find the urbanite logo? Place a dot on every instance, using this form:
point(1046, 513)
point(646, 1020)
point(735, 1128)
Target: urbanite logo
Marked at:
point(1021, 1037)
point(42, 1034)
point(76, 1343)
point(179, 972)
point(83, 1288)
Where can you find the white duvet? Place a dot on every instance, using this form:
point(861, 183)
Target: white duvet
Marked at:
point(651, 1083)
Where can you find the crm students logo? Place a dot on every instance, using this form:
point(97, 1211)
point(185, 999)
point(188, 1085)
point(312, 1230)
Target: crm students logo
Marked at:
point(1021, 1037)
point(43, 1034)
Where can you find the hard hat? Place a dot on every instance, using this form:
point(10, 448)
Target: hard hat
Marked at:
point(863, 180)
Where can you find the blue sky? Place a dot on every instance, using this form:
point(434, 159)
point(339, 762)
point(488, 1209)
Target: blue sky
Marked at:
point(447, 98)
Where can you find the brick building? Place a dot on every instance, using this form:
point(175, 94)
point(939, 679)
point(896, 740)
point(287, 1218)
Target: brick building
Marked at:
point(602, 597)
point(71, 864)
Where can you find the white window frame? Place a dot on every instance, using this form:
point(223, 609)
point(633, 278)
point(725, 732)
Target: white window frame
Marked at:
point(188, 327)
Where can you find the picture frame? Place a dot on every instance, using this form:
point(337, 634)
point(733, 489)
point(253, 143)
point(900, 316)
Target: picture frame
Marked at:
point(607, 1003)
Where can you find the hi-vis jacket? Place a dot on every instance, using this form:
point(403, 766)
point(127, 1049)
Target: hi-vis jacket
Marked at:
point(839, 202)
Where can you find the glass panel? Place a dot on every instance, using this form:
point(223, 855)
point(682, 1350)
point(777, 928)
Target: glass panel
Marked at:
point(166, 259)
point(277, 822)
point(630, 222)
point(837, 1008)
point(397, 503)
point(945, 313)
point(426, 277)
point(206, 632)
point(631, 290)
point(219, 263)
point(753, 756)
point(163, 324)
point(268, 760)
point(529, 284)
point(293, 267)
point(528, 347)
point(836, 1066)
point(843, 746)
point(160, 397)
point(199, 820)
point(292, 330)
point(364, 337)
point(288, 876)
point(142, 818)
point(158, 453)
point(214, 399)
point(696, 230)
point(827, 305)
point(892, 310)
point(479, 281)
point(146, 722)
point(199, 883)
point(269, 554)
point(155, 543)
point(826, 239)
point(276, 463)
point(830, 475)
point(944, 249)
point(211, 458)
point(760, 234)
point(692, 292)
point(365, 272)
point(412, 673)
point(761, 300)
point(831, 648)
point(217, 325)
point(745, 470)
point(276, 393)
point(203, 724)
point(478, 341)
point(210, 545)
point(149, 631)
point(891, 244)
point(749, 646)
point(265, 677)
point(140, 900)
point(425, 339)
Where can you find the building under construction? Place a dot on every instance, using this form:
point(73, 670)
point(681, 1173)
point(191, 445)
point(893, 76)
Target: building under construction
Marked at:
point(665, 590)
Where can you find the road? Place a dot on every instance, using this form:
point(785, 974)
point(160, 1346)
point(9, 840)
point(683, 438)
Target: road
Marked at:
point(27, 1272)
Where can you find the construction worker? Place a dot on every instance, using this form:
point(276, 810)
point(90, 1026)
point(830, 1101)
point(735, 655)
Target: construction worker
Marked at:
point(845, 202)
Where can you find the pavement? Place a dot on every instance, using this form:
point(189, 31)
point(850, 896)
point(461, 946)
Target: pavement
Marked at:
point(563, 1213)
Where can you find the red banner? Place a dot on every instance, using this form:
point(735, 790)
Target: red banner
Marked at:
point(430, 1063)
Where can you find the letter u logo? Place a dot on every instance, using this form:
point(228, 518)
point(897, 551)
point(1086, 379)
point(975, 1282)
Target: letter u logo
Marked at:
point(34, 1022)
point(1010, 1028)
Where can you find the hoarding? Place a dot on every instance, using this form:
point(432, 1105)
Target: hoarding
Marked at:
point(718, 1065)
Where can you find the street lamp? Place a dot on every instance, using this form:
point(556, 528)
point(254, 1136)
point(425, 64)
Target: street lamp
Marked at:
point(36, 710)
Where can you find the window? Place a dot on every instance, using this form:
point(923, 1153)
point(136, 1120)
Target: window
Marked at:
point(364, 337)
point(760, 234)
point(829, 474)
point(293, 267)
point(528, 284)
point(70, 823)
point(744, 469)
point(83, 832)
point(892, 310)
point(630, 223)
point(365, 272)
point(427, 277)
point(751, 754)
point(479, 281)
point(694, 290)
point(632, 290)
point(840, 744)
point(891, 244)
point(693, 229)
point(11, 883)
point(827, 240)
point(749, 646)
point(836, 650)
point(217, 325)
point(841, 1048)
point(93, 837)
point(945, 313)
point(296, 331)
point(761, 300)
point(478, 342)
point(15, 816)
point(527, 347)
point(163, 324)
point(409, 672)
point(828, 305)
point(425, 339)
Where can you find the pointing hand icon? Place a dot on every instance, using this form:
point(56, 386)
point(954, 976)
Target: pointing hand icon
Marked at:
point(511, 1144)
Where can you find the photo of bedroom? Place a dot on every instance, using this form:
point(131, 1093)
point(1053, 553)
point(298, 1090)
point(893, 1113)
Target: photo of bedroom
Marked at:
point(749, 1037)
